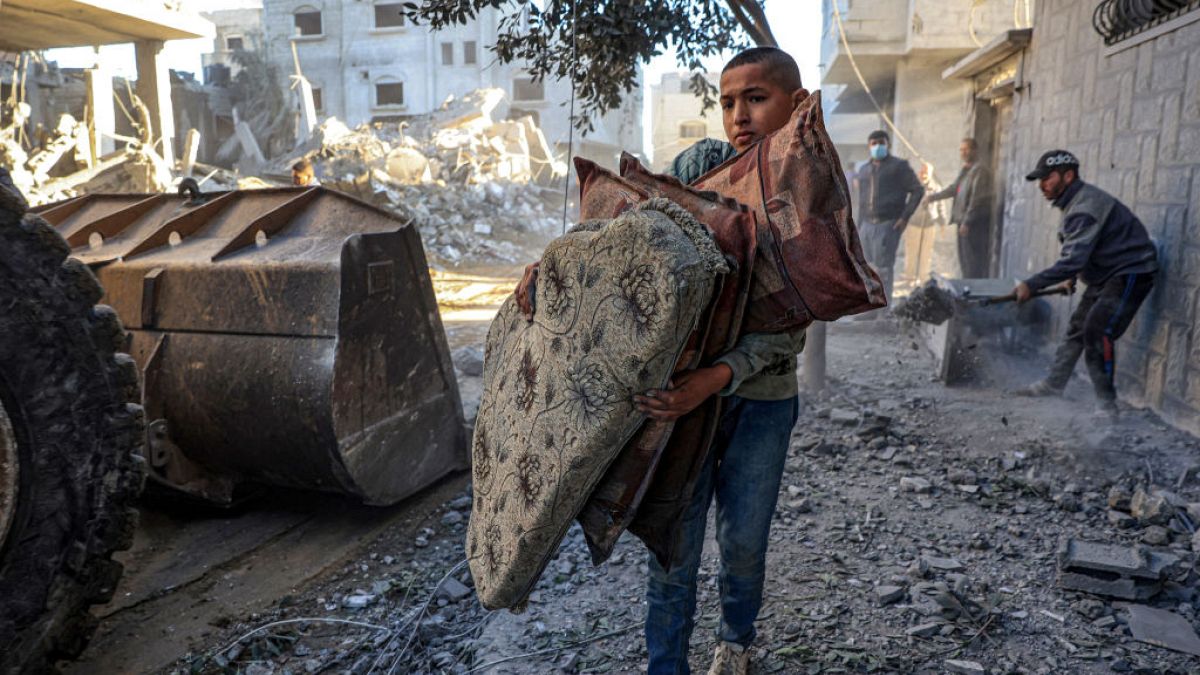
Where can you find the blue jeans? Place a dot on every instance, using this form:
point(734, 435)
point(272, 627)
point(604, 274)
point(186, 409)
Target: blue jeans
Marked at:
point(743, 471)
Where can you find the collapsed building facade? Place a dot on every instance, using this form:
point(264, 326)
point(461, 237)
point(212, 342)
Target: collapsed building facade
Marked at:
point(1120, 91)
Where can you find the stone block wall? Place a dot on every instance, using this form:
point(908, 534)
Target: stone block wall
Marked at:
point(1133, 118)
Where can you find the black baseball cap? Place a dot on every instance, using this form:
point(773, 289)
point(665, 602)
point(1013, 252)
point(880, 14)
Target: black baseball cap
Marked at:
point(1053, 161)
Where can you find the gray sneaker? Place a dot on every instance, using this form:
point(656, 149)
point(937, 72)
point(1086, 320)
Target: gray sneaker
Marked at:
point(730, 659)
point(1037, 389)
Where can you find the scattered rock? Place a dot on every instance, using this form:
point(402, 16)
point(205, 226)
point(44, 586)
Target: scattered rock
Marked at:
point(1156, 535)
point(964, 667)
point(843, 417)
point(358, 601)
point(925, 629)
point(453, 590)
point(886, 595)
point(915, 484)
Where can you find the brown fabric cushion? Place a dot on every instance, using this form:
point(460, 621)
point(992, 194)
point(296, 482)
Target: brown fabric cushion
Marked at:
point(795, 184)
point(615, 308)
point(616, 500)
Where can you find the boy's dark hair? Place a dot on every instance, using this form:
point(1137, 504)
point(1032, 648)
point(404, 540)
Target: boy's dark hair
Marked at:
point(302, 165)
point(879, 133)
point(971, 143)
point(781, 64)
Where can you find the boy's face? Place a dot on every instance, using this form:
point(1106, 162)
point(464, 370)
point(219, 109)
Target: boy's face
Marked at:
point(754, 105)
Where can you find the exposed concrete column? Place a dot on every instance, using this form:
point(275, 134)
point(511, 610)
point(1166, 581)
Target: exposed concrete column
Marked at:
point(101, 116)
point(154, 88)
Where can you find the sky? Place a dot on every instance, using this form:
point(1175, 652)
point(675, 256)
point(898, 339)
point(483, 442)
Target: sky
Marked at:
point(796, 24)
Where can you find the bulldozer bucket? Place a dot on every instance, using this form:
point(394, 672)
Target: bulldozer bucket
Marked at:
point(287, 336)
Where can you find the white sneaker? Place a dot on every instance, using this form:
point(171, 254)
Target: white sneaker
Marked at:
point(730, 659)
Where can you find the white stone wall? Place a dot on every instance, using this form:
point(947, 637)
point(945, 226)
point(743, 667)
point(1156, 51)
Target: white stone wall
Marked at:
point(1133, 119)
point(671, 105)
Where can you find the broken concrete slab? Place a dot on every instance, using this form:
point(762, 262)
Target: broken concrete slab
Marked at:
point(1127, 572)
point(1162, 628)
point(924, 629)
point(945, 564)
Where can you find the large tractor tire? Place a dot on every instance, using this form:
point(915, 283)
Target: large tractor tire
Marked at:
point(71, 430)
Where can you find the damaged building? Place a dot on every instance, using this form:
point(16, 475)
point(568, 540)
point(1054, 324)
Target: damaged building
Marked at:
point(366, 62)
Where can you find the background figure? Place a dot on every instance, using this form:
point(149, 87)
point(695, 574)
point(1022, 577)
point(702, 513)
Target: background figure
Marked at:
point(971, 211)
point(889, 193)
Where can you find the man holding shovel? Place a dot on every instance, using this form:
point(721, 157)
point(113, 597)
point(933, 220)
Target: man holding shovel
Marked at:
point(1107, 247)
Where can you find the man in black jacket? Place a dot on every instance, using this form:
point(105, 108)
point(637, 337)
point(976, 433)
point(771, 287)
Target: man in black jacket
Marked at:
point(1107, 247)
point(889, 193)
point(971, 211)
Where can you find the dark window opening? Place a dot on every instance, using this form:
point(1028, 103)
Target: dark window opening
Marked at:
point(389, 16)
point(318, 103)
point(235, 43)
point(447, 53)
point(308, 23)
point(389, 93)
point(469, 56)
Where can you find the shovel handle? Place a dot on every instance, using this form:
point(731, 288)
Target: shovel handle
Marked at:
point(1011, 297)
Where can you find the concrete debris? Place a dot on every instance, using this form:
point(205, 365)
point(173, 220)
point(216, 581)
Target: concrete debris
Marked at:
point(1127, 572)
point(915, 484)
point(1162, 628)
point(480, 189)
point(965, 667)
point(453, 590)
point(886, 595)
point(1151, 507)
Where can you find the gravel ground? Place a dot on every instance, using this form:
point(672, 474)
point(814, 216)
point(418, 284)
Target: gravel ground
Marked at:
point(917, 531)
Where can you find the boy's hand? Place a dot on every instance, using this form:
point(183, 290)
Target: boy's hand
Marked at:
point(522, 292)
point(685, 392)
point(901, 223)
point(1023, 293)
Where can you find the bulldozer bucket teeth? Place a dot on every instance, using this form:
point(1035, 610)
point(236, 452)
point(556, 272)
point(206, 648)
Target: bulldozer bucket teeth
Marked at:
point(287, 336)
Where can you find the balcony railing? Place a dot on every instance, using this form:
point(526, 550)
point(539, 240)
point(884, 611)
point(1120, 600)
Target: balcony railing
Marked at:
point(1117, 20)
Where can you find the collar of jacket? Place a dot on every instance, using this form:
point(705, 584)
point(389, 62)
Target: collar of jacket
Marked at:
point(1065, 198)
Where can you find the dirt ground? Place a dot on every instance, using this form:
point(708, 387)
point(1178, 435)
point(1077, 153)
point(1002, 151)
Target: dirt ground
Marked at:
point(917, 531)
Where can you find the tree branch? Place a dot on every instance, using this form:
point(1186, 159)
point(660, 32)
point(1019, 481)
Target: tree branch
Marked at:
point(753, 20)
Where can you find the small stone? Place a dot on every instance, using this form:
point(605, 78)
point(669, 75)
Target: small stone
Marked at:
point(421, 541)
point(388, 560)
point(468, 360)
point(1156, 535)
point(794, 491)
point(357, 601)
point(443, 659)
point(460, 503)
point(1121, 520)
point(1118, 499)
point(452, 518)
point(964, 667)
point(1105, 622)
point(843, 416)
point(962, 477)
point(924, 629)
point(887, 453)
point(803, 505)
point(453, 590)
point(945, 564)
point(886, 595)
point(915, 484)
point(1150, 507)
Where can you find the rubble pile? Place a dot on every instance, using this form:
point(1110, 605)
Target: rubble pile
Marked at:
point(480, 190)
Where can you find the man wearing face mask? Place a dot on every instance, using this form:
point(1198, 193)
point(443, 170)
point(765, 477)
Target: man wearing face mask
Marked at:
point(1107, 247)
point(889, 192)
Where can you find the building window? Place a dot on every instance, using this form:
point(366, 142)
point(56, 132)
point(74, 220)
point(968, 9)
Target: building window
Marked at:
point(235, 43)
point(469, 57)
point(388, 15)
point(318, 102)
point(389, 93)
point(308, 21)
point(528, 89)
point(693, 130)
point(447, 53)
point(1118, 20)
